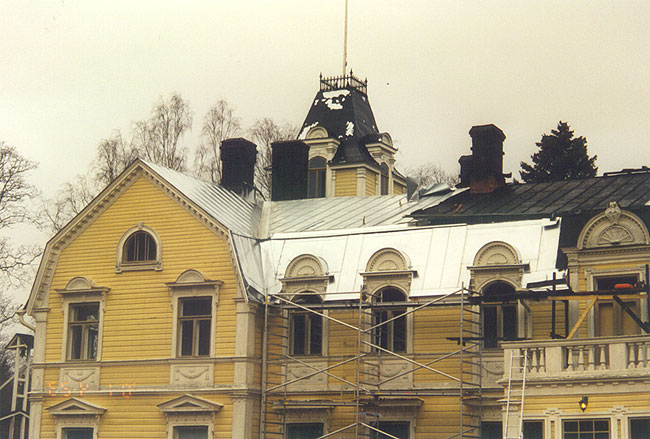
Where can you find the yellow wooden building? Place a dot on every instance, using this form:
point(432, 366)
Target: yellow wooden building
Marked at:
point(345, 307)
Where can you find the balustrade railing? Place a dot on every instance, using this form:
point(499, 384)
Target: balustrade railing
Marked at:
point(568, 356)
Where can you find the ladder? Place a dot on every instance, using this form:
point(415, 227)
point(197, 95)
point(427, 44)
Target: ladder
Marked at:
point(514, 422)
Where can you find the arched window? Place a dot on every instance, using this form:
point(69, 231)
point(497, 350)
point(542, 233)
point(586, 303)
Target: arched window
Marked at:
point(499, 312)
point(388, 333)
point(316, 178)
point(306, 327)
point(139, 247)
point(384, 179)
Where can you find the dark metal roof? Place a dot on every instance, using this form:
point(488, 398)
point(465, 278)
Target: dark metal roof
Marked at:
point(631, 190)
point(342, 108)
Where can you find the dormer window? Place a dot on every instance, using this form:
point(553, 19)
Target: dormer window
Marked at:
point(316, 178)
point(384, 179)
point(139, 249)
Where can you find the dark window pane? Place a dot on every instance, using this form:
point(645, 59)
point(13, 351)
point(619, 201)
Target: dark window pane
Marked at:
point(299, 330)
point(509, 316)
point(533, 430)
point(640, 428)
point(315, 335)
point(321, 184)
point(197, 307)
point(311, 184)
point(76, 337)
point(608, 283)
point(91, 352)
point(204, 337)
point(85, 312)
point(601, 425)
point(187, 336)
point(399, 332)
point(78, 433)
point(200, 432)
point(139, 247)
point(304, 431)
point(491, 430)
point(570, 425)
point(397, 429)
point(490, 332)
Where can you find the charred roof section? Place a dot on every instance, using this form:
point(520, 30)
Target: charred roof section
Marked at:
point(341, 106)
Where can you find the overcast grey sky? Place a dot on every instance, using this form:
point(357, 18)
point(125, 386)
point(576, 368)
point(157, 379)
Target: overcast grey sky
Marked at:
point(74, 71)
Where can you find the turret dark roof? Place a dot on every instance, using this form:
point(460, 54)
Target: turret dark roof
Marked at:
point(342, 108)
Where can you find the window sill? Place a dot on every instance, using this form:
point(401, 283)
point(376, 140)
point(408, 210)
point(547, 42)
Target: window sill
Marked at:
point(140, 266)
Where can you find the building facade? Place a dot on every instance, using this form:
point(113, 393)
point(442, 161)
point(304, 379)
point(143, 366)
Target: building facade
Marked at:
point(346, 307)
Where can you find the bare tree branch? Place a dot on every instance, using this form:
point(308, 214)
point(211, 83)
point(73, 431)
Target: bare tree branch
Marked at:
point(429, 173)
point(264, 132)
point(219, 124)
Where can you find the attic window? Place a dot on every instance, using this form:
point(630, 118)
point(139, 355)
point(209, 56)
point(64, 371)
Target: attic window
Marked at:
point(139, 249)
point(384, 179)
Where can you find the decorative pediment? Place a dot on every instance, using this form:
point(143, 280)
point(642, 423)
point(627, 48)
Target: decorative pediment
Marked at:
point(306, 266)
point(82, 285)
point(76, 407)
point(193, 278)
point(189, 404)
point(387, 259)
point(614, 227)
point(497, 253)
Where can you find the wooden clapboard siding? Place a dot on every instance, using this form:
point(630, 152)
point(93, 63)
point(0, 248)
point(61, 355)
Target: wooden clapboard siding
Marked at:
point(398, 188)
point(138, 317)
point(346, 182)
point(371, 183)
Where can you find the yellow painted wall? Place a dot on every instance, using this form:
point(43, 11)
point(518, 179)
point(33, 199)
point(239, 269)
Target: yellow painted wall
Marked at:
point(371, 182)
point(398, 188)
point(346, 182)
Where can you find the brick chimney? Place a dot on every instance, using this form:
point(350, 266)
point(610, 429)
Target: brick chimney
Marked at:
point(238, 165)
point(486, 165)
point(289, 170)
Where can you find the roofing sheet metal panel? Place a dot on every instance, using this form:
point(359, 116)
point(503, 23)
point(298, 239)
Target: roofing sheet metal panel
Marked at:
point(225, 206)
point(345, 212)
point(440, 254)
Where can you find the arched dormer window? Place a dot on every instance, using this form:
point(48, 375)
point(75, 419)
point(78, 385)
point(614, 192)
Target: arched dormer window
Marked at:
point(316, 178)
point(384, 179)
point(139, 249)
point(389, 321)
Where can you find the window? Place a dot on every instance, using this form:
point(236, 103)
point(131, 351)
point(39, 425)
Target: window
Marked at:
point(391, 335)
point(533, 429)
point(194, 322)
point(78, 433)
point(640, 428)
point(139, 247)
point(499, 319)
point(397, 429)
point(491, 430)
point(611, 318)
point(304, 431)
point(586, 429)
point(306, 328)
point(384, 179)
point(191, 432)
point(83, 331)
point(316, 178)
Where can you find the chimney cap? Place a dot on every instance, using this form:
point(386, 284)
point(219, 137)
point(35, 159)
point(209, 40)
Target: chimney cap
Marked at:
point(237, 141)
point(486, 131)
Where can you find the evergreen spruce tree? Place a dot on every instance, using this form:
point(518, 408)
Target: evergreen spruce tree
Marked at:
point(560, 157)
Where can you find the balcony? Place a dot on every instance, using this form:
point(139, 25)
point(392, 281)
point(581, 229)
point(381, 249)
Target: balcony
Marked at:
point(608, 358)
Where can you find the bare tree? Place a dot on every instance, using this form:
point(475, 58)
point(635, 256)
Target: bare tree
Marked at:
point(113, 156)
point(429, 173)
point(264, 132)
point(68, 202)
point(15, 195)
point(157, 139)
point(219, 124)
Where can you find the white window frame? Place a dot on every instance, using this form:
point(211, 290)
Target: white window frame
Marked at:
point(79, 291)
point(121, 266)
point(192, 284)
point(60, 428)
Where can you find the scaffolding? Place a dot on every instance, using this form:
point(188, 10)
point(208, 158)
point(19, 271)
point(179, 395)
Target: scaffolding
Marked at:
point(364, 389)
point(14, 422)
